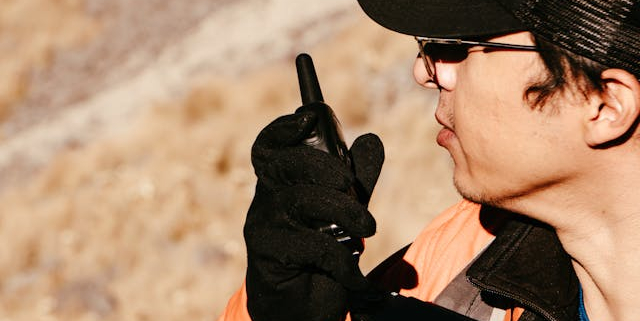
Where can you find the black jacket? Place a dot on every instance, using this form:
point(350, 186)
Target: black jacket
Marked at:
point(524, 266)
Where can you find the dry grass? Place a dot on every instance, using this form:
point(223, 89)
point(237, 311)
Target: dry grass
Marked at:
point(146, 224)
point(31, 31)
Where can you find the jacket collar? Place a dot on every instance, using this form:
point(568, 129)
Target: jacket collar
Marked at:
point(527, 263)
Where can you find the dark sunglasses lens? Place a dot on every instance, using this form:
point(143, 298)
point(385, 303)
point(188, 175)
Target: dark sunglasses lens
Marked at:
point(446, 52)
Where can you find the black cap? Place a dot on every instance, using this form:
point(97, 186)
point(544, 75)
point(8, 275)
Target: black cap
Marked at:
point(442, 18)
point(606, 31)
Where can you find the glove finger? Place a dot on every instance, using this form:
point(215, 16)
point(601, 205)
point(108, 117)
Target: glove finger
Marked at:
point(298, 249)
point(308, 207)
point(367, 154)
point(316, 206)
point(302, 165)
point(287, 130)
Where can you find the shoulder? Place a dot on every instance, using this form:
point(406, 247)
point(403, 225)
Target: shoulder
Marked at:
point(459, 228)
point(445, 246)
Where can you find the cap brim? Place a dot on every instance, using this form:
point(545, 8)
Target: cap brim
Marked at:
point(442, 18)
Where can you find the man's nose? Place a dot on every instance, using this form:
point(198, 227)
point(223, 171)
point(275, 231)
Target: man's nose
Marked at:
point(421, 76)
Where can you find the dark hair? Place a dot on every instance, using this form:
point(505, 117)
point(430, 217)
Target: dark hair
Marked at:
point(564, 68)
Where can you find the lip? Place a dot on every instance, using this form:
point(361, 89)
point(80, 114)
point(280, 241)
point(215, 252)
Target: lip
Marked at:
point(440, 119)
point(445, 135)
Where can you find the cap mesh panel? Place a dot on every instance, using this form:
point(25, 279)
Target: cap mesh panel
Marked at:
point(605, 31)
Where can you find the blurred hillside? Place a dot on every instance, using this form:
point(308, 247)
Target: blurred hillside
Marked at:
point(125, 131)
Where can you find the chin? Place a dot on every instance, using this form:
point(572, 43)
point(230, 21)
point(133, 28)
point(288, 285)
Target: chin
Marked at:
point(477, 194)
point(465, 191)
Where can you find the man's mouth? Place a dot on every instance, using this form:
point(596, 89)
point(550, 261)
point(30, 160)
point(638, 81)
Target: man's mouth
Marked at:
point(446, 133)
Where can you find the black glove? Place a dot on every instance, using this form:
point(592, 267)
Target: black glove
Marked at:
point(294, 271)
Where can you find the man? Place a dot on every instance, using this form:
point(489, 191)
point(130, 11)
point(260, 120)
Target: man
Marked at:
point(539, 104)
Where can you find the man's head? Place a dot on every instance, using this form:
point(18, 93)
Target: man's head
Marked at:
point(520, 121)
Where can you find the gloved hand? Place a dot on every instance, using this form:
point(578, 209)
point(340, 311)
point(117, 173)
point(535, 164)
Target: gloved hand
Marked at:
point(294, 271)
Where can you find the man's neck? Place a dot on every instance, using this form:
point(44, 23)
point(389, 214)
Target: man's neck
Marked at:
point(598, 226)
point(607, 266)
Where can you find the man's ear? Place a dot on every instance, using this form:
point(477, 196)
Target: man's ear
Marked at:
point(616, 115)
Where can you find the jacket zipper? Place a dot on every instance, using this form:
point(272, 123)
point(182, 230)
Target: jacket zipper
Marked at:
point(512, 296)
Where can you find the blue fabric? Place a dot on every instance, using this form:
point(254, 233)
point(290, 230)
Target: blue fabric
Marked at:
point(582, 312)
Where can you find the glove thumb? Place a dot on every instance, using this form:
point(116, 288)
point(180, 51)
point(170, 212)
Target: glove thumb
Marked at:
point(367, 156)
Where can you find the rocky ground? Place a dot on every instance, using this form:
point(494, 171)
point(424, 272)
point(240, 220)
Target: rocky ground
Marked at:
point(125, 136)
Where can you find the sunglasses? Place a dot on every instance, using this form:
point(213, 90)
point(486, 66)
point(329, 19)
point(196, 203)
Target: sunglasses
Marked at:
point(433, 50)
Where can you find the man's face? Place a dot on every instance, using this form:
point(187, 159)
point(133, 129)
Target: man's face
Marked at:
point(503, 149)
